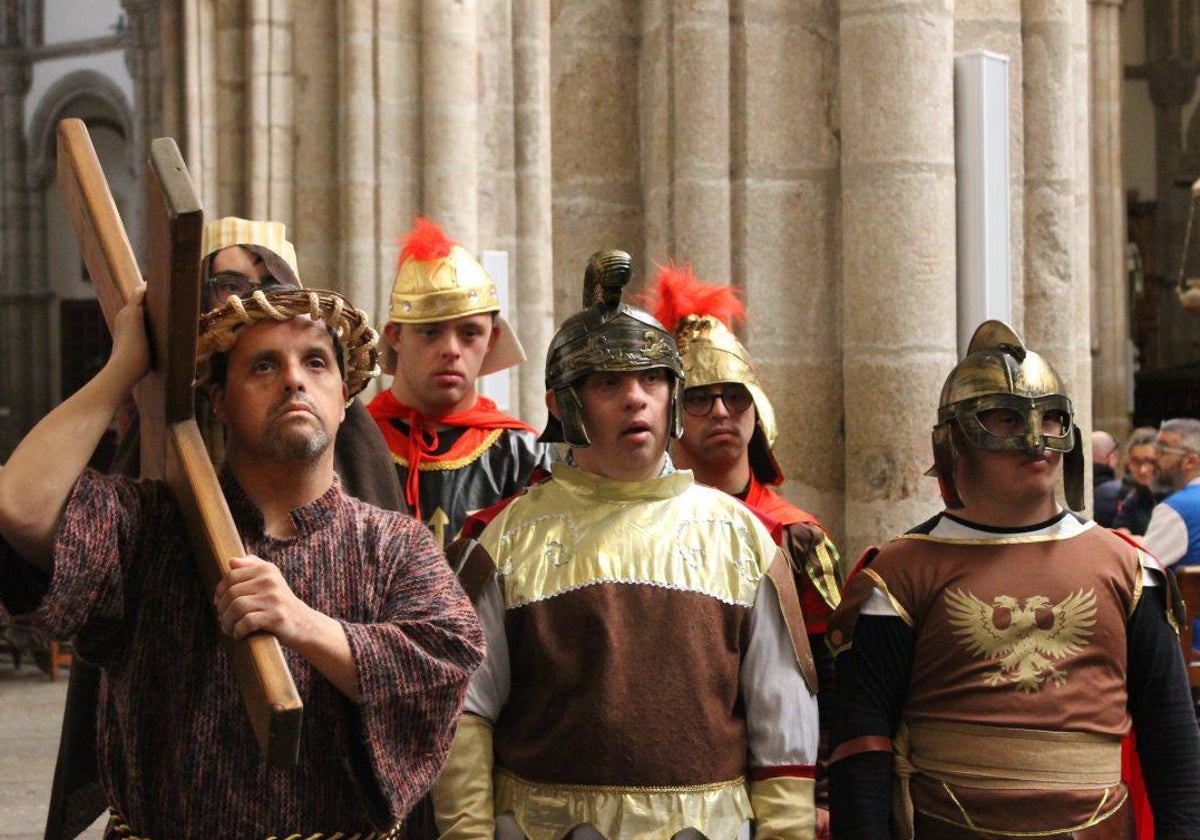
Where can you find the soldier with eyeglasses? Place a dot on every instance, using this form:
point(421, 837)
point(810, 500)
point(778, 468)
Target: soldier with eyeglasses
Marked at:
point(728, 433)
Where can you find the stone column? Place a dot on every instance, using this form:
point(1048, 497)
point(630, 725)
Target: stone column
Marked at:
point(199, 121)
point(898, 234)
point(450, 64)
point(270, 123)
point(1081, 241)
point(1110, 318)
point(143, 57)
point(357, 159)
point(1049, 183)
point(16, 414)
point(700, 134)
point(786, 234)
point(534, 263)
point(230, 115)
point(1056, 321)
point(400, 150)
point(596, 63)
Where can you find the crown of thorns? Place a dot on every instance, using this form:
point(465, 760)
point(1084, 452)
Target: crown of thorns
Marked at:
point(357, 341)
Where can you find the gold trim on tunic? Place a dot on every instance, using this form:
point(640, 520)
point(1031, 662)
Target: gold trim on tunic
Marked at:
point(581, 530)
point(998, 540)
point(883, 587)
point(456, 463)
point(549, 811)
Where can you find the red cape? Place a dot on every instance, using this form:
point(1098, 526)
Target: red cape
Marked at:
point(481, 422)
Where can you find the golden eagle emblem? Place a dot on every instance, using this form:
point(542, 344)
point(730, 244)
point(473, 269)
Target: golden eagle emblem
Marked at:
point(1023, 640)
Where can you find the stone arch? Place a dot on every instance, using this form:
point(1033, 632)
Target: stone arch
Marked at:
point(86, 94)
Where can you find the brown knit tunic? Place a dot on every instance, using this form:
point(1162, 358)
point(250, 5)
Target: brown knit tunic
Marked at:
point(177, 755)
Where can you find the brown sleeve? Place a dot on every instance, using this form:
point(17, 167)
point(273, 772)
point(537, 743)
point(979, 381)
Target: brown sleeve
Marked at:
point(780, 574)
point(473, 565)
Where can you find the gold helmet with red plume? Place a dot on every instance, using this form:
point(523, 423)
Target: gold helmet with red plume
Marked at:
point(437, 280)
point(701, 317)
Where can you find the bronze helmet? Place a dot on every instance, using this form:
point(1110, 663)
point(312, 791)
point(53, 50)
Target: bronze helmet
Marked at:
point(1000, 372)
point(607, 335)
point(700, 316)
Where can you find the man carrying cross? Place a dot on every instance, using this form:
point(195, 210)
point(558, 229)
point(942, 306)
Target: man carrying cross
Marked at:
point(379, 638)
point(237, 257)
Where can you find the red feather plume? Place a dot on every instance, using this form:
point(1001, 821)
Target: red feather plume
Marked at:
point(424, 242)
point(677, 293)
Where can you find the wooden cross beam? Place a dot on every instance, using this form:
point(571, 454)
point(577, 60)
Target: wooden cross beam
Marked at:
point(172, 446)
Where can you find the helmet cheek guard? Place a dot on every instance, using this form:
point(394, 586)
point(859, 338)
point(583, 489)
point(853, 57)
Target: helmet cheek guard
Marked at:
point(570, 409)
point(1073, 471)
point(943, 465)
point(675, 410)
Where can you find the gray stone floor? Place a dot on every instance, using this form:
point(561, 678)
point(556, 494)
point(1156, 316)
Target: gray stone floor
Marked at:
point(31, 710)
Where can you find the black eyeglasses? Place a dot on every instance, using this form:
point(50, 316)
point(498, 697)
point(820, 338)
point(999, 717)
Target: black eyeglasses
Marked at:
point(229, 284)
point(698, 402)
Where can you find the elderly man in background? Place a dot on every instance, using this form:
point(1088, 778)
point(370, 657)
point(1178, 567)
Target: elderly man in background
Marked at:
point(1174, 532)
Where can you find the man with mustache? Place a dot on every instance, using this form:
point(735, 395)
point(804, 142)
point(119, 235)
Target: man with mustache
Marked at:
point(647, 672)
point(379, 637)
point(728, 434)
point(990, 661)
point(454, 451)
point(238, 256)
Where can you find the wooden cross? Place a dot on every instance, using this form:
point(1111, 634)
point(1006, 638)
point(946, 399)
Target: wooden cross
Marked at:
point(172, 447)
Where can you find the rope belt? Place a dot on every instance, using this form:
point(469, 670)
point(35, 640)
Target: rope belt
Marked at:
point(121, 830)
point(1000, 758)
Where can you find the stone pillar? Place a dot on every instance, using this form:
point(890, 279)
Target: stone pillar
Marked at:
point(143, 57)
point(898, 234)
point(357, 164)
point(786, 234)
point(450, 66)
point(400, 149)
point(270, 122)
point(1110, 318)
point(595, 61)
point(534, 263)
point(201, 103)
point(16, 414)
point(1055, 273)
point(1081, 241)
point(1049, 183)
point(700, 134)
point(230, 114)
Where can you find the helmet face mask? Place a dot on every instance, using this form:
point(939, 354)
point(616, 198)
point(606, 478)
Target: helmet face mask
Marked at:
point(1014, 423)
